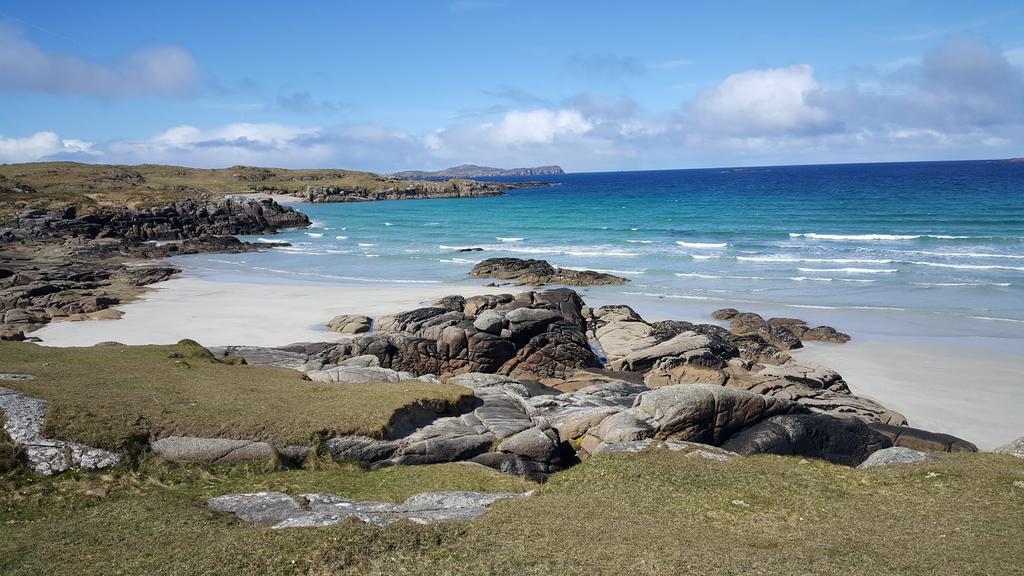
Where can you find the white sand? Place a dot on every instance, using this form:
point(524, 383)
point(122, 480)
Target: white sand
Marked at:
point(225, 313)
point(973, 393)
point(976, 395)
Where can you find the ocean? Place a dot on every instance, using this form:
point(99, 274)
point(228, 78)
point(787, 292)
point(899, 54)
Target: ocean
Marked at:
point(901, 249)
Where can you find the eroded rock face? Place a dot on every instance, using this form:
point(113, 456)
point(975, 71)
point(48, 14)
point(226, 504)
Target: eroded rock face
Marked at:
point(846, 441)
point(922, 440)
point(702, 413)
point(539, 272)
point(318, 510)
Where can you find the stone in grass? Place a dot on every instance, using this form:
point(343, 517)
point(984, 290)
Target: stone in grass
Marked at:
point(1015, 448)
point(897, 455)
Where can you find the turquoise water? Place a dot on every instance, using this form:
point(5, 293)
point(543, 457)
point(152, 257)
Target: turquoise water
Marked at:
point(917, 248)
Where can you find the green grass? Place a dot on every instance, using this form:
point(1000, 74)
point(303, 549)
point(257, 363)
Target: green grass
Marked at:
point(651, 513)
point(115, 396)
point(89, 187)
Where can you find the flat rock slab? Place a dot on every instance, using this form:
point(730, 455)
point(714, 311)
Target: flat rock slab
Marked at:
point(23, 421)
point(318, 510)
point(9, 376)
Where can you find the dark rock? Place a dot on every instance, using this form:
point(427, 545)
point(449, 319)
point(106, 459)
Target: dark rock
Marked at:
point(725, 314)
point(846, 441)
point(907, 437)
point(539, 272)
point(825, 334)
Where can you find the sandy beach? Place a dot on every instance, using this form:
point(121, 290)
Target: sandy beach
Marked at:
point(226, 313)
point(971, 393)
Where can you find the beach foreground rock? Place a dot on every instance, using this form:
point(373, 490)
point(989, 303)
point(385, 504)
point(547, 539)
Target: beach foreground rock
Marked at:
point(319, 510)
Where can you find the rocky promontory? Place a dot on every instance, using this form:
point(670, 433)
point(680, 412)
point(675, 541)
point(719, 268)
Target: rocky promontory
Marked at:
point(540, 272)
point(64, 265)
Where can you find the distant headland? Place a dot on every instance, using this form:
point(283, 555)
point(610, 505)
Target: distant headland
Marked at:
point(474, 171)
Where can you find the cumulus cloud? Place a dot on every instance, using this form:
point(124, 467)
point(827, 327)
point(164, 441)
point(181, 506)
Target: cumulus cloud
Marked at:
point(756, 102)
point(40, 145)
point(962, 99)
point(24, 66)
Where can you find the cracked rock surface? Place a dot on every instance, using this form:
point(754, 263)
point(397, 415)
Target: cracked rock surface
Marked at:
point(23, 421)
point(280, 510)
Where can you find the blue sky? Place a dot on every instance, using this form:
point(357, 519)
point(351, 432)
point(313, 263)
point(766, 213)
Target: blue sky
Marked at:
point(589, 85)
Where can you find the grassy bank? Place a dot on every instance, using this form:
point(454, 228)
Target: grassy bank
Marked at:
point(652, 513)
point(92, 186)
point(110, 396)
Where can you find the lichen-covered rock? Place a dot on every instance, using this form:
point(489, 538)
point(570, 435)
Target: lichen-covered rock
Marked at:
point(218, 450)
point(318, 510)
point(1015, 448)
point(897, 455)
point(23, 423)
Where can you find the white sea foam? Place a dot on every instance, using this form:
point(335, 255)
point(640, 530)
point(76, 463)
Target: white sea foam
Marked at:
point(962, 254)
point(607, 271)
point(714, 277)
point(314, 234)
point(875, 237)
point(352, 278)
point(1014, 320)
point(640, 241)
point(851, 270)
point(702, 257)
point(508, 239)
point(817, 279)
point(968, 266)
point(457, 261)
point(388, 224)
point(702, 244)
point(961, 284)
point(365, 245)
point(341, 237)
point(782, 258)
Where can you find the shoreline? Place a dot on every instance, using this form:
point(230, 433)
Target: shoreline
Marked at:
point(964, 391)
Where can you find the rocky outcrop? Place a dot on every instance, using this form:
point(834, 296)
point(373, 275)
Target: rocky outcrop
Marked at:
point(701, 413)
point(922, 440)
point(402, 191)
point(23, 423)
point(846, 441)
point(783, 333)
point(187, 219)
point(319, 510)
point(539, 273)
point(61, 265)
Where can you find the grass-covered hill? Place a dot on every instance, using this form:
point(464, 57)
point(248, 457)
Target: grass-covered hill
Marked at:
point(91, 186)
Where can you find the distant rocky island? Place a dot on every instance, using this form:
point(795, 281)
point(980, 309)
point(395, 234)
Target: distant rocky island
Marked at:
point(474, 171)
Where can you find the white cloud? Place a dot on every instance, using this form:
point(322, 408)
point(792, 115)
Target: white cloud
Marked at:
point(24, 66)
point(962, 99)
point(39, 145)
point(772, 101)
point(540, 126)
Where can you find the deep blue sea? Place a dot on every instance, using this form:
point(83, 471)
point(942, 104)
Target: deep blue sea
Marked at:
point(902, 248)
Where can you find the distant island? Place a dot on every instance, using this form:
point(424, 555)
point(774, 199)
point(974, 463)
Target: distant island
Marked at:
point(474, 171)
